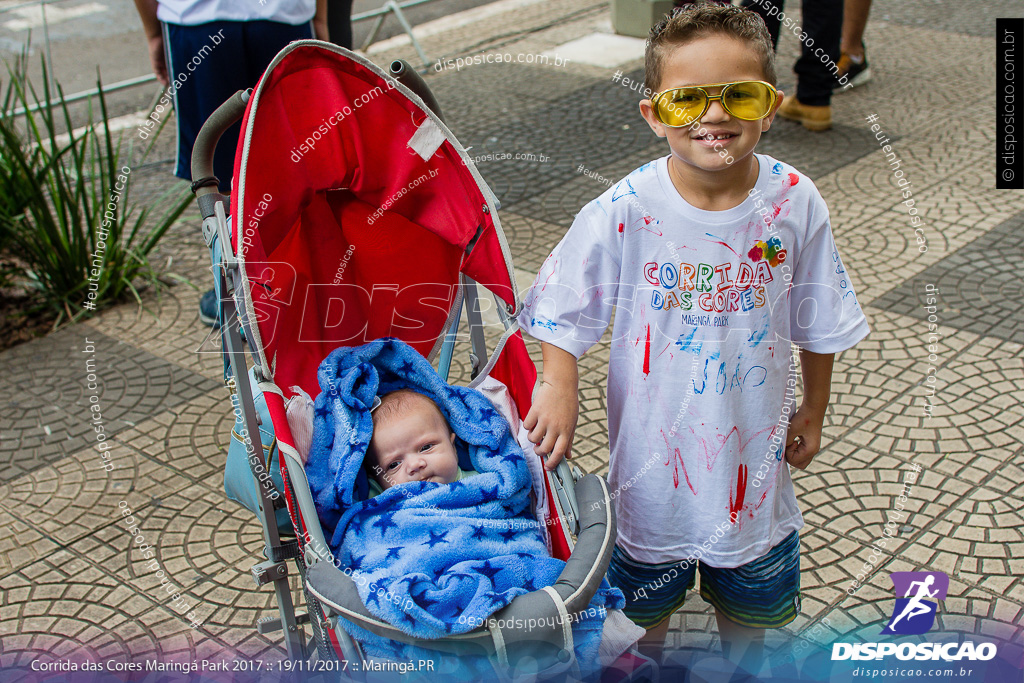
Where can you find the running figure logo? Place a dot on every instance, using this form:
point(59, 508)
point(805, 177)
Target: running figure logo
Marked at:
point(914, 613)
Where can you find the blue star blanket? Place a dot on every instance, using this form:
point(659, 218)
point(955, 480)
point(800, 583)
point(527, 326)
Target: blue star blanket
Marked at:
point(430, 559)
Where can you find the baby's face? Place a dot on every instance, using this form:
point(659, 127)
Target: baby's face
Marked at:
point(415, 446)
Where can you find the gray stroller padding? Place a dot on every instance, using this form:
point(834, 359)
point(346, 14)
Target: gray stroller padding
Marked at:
point(549, 631)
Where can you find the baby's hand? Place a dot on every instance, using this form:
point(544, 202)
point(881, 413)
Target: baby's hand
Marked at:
point(803, 441)
point(551, 422)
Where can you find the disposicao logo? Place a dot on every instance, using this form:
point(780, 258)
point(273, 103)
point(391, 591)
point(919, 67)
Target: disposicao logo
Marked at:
point(914, 614)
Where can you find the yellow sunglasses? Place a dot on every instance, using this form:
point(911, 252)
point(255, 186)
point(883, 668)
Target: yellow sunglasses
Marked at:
point(745, 100)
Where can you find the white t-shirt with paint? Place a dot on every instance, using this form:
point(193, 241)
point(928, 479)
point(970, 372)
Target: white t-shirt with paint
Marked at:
point(698, 399)
point(193, 12)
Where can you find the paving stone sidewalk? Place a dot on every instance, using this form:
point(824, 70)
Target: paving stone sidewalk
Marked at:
point(70, 587)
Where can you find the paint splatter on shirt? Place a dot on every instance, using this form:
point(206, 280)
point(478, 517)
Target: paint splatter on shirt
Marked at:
point(726, 291)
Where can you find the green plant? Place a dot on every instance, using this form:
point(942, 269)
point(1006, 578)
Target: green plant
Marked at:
point(17, 190)
point(11, 206)
point(78, 237)
point(12, 201)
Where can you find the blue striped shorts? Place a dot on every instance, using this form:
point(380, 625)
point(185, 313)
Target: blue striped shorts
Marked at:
point(764, 593)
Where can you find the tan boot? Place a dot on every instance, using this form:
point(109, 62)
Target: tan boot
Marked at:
point(812, 118)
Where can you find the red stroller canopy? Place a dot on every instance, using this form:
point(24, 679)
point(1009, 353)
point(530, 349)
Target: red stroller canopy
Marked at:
point(355, 211)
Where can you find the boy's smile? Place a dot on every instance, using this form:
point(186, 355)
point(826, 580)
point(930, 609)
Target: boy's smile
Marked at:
point(707, 137)
point(716, 151)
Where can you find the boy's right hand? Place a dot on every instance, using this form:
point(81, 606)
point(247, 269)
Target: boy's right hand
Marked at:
point(551, 422)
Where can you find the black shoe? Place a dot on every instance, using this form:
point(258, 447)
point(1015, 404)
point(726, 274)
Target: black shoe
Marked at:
point(856, 73)
point(208, 309)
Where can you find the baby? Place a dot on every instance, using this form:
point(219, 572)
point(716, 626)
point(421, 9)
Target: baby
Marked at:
point(411, 442)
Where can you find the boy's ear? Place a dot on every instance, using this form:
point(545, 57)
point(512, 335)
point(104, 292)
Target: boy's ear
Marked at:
point(648, 113)
point(766, 122)
point(453, 438)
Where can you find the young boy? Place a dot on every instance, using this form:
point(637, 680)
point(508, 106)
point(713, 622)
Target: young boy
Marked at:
point(411, 442)
point(716, 258)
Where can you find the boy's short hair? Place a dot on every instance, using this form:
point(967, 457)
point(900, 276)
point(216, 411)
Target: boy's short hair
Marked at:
point(699, 20)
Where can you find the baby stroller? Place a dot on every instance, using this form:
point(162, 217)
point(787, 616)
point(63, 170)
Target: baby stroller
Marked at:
point(357, 215)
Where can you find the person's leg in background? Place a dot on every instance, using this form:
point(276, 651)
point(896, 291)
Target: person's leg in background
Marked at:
point(236, 63)
point(823, 22)
point(812, 105)
point(855, 20)
point(339, 22)
point(261, 41)
point(769, 11)
point(205, 59)
point(853, 62)
point(201, 58)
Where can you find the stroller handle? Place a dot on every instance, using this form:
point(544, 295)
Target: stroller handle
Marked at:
point(408, 76)
point(203, 180)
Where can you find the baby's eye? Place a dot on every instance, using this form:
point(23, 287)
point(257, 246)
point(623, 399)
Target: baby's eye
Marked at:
point(426, 447)
point(394, 464)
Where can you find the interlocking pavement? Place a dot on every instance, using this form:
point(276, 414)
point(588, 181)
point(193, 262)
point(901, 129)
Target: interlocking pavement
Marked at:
point(70, 586)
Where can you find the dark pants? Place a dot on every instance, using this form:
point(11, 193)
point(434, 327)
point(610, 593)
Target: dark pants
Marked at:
point(211, 62)
point(339, 22)
point(823, 24)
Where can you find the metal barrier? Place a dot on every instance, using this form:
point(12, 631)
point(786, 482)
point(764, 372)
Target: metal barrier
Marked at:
point(381, 14)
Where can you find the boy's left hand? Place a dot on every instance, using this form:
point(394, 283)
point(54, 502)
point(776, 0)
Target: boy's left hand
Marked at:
point(803, 440)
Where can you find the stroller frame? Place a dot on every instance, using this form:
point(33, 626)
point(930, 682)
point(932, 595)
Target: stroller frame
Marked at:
point(333, 641)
